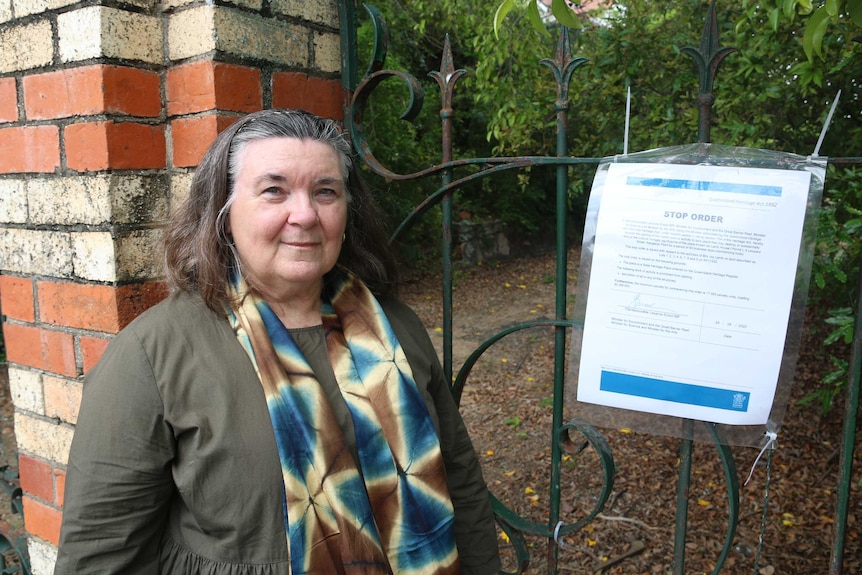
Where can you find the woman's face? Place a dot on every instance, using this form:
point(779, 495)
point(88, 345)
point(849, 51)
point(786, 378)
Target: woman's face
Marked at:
point(289, 214)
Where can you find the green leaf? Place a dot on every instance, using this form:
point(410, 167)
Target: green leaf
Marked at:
point(854, 9)
point(502, 11)
point(536, 18)
point(774, 17)
point(812, 40)
point(833, 7)
point(805, 7)
point(564, 15)
point(819, 280)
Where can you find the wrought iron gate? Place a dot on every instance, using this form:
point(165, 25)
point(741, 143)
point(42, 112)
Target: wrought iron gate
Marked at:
point(707, 57)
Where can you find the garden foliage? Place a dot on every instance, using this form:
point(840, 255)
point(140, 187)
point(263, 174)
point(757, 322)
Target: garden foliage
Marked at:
point(773, 93)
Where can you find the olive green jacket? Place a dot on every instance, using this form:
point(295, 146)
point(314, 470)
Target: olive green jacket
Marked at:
point(174, 466)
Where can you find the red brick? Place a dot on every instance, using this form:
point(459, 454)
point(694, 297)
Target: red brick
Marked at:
point(134, 299)
point(29, 149)
point(317, 95)
point(37, 478)
point(16, 298)
point(134, 146)
point(86, 146)
point(325, 98)
point(132, 91)
point(52, 351)
point(97, 146)
point(95, 307)
point(8, 100)
point(191, 137)
point(63, 93)
point(60, 486)
point(84, 306)
point(92, 349)
point(92, 90)
point(41, 520)
point(190, 88)
point(203, 86)
point(237, 88)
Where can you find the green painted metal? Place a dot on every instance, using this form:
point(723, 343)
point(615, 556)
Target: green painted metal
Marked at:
point(732, 478)
point(851, 411)
point(707, 58)
point(14, 557)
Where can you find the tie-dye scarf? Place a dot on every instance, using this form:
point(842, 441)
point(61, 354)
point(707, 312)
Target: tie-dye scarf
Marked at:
point(395, 516)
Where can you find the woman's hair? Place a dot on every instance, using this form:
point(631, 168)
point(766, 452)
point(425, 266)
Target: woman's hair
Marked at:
point(200, 255)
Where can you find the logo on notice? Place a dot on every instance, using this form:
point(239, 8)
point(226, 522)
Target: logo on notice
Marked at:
point(739, 400)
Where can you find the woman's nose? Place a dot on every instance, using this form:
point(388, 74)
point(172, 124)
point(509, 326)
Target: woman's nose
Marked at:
point(303, 211)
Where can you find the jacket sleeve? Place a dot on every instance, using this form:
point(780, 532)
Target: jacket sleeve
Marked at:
point(118, 482)
point(475, 529)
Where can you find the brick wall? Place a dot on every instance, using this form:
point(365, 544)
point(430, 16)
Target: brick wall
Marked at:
point(104, 113)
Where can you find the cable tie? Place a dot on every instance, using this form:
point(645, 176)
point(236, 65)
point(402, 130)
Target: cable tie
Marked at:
point(557, 532)
point(771, 443)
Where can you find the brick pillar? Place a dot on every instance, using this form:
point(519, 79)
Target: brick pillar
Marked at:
point(104, 113)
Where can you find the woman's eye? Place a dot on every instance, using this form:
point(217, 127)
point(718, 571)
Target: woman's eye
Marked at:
point(272, 191)
point(325, 193)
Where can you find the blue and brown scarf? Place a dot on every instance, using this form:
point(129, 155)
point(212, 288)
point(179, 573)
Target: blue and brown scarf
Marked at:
point(393, 514)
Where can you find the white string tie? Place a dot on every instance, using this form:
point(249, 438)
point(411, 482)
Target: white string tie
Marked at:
point(557, 532)
point(771, 443)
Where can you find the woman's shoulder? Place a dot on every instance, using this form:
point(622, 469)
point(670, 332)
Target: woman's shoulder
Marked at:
point(166, 341)
point(179, 312)
point(400, 314)
point(168, 326)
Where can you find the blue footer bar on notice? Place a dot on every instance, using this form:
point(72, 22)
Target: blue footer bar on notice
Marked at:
point(674, 391)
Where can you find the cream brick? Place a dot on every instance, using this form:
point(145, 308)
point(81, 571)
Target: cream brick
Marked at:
point(36, 252)
point(98, 31)
point(97, 199)
point(253, 36)
point(139, 255)
point(43, 556)
point(170, 4)
point(191, 32)
point(13, 202)
point(321, 12)
point(149, 5)
point(62, 398)
point(94, 256)
point(327, 52)
point(72, 200)
point(42, 438)
point(181, 184)
point(206, 28)
point(26, 390)
point(5, 10)
point(251, 4)
point(99, 257)
point(26, 46)
point(27, 7)
point(139, 199)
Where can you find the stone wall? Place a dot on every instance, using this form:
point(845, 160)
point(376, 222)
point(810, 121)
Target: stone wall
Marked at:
point(105, 110)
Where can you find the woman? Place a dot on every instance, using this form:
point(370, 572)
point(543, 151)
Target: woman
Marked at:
point(280, 412)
